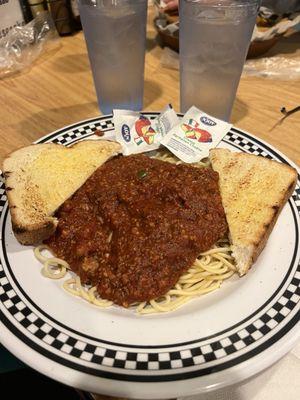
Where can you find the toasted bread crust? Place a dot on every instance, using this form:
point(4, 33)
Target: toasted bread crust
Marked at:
point(254, 190)
point(268, 227)
point(35, 233)
point(39, 178)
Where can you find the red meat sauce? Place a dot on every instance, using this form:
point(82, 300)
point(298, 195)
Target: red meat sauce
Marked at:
point(137, 224)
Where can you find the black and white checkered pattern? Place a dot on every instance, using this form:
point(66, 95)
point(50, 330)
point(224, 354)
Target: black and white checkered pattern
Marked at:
point(296, 198)
point(247, 145)
point(86, 130)
point(2, 196)
point(100, 354)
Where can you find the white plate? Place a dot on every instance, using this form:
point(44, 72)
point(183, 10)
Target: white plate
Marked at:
point(214, 341)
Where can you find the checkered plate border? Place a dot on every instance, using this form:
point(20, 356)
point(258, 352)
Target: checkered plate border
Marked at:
point(151, 363)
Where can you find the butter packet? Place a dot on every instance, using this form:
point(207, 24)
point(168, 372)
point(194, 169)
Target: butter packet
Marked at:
point(138, 134)
point(195, 135)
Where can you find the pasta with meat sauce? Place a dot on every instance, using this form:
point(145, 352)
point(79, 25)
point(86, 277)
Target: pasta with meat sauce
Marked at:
point(142, 233)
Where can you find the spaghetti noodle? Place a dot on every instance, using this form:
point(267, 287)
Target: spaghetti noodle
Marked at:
point(206, 274)
point(165, 155)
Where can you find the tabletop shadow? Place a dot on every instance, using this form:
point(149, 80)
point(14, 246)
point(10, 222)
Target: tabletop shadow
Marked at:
point(240, 110)
point(75, 63)
point(152, 91)
point(72, 63)
point(57, 118)
point(151, 43)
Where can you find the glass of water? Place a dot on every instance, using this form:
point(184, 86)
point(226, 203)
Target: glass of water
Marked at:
point(115, 34)
point(214, 40)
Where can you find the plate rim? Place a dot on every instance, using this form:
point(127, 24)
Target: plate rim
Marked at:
point(148, 347)
point(292, 339)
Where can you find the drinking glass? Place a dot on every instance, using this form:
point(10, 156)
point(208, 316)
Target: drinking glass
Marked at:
point(115, 34)
point(214, 40)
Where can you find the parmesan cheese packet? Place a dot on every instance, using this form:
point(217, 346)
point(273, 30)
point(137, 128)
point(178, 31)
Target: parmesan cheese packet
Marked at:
point(195, 135)
point(138, 134)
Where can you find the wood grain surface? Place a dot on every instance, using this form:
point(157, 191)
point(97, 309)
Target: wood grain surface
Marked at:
point(58, 90)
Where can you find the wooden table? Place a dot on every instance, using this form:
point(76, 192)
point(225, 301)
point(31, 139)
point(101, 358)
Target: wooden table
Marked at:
point(59, 91)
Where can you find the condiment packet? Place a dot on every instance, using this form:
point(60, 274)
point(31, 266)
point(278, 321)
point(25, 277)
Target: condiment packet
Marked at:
point(138, 134)
point(195, 135)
